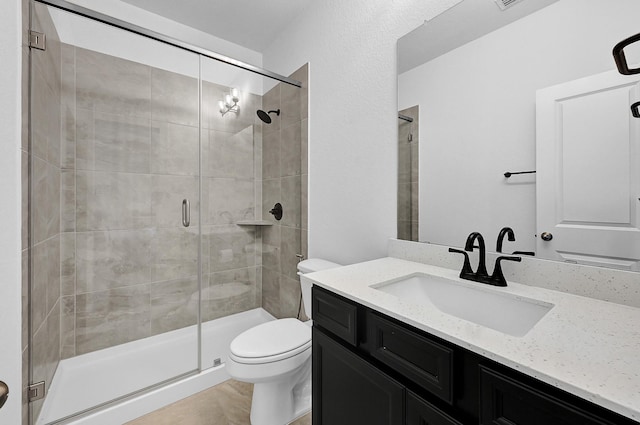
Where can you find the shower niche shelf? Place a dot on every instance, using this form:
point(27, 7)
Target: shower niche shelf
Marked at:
point(254, 223)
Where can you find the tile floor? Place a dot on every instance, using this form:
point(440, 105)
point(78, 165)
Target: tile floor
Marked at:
point(226, 404)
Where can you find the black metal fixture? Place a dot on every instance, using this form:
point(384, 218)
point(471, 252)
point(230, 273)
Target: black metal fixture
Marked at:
point(276, 211)
point(511, 173)
point(505, 231)
point(635, 110)
point(264, 116)
point(508, 231)
point(621, 60)
point(481, 275)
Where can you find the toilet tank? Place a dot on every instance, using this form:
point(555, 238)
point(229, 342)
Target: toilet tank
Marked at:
point(309, 266)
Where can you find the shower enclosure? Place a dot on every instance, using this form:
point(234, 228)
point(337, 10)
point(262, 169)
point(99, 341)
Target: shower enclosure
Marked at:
point(145, 210)
point(408, 173)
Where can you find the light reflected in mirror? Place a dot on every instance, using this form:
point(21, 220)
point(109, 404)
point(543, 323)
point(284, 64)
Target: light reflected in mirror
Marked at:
point(534, 87)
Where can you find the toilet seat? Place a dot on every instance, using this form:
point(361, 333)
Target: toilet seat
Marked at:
point(271, 342)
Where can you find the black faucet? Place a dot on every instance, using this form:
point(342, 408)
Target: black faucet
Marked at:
point(508, 231)
point(481, 272)
point(481, 275)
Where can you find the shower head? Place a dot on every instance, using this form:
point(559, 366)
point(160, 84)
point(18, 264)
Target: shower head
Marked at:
point(264, 116)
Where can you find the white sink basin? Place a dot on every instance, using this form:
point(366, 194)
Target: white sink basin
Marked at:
point(503, 312)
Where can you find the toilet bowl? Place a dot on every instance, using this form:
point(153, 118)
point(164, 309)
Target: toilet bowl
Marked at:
point(276, 357)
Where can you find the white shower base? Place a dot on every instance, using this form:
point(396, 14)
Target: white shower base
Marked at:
point(92, 379)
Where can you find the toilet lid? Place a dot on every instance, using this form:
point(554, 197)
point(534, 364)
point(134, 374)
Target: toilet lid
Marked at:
point(272, 339)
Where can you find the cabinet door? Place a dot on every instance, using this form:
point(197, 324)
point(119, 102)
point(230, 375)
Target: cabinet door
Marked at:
point(420, 359)
point(506, 401)
point(347, 390)
point(336, 314)
point(421, 412)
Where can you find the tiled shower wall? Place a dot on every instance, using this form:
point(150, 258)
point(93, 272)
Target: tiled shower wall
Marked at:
point(408, 175)
point(285, 176)
point(130, 269)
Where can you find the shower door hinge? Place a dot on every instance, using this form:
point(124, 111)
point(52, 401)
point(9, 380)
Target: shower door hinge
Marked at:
point(37, 40)
point(35, 391)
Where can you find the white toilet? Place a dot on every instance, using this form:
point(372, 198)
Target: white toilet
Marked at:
point(276, 357)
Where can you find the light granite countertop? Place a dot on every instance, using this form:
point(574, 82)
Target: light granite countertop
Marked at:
point(588, 347)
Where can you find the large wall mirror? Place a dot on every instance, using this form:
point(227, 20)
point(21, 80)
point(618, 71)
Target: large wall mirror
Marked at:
point(531, 89)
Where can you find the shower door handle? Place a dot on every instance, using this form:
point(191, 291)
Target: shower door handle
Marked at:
point(186, 213)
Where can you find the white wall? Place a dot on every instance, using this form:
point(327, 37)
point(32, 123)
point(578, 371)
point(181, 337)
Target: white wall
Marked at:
point(351, 48)
point(473, 132)
point(10, 201)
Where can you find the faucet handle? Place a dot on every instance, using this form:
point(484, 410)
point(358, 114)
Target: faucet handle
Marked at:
point(497, 278)
point(466, 271)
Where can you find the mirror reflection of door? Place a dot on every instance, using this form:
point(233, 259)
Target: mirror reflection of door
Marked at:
point(588, 184)
point(408, 142)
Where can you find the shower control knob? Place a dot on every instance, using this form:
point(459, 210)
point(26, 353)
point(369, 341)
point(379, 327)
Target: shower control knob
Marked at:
point(277, 211)
point(546, 236)
point(4, 393)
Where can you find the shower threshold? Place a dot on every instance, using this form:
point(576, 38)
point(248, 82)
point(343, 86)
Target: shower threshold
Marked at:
point(96, 378)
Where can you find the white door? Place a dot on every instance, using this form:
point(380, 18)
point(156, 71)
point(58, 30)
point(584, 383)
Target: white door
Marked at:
point(588, 178)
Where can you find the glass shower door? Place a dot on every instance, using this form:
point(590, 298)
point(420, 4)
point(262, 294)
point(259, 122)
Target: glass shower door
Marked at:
point(114, 241)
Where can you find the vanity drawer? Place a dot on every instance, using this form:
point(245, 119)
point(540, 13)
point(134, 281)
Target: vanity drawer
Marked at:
point(504, 400)
point(422, 360)
point(420, 412)
point(335, 314)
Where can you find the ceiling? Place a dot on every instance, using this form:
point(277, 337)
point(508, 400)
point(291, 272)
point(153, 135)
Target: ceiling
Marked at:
point(250, 23)
point(465, 22)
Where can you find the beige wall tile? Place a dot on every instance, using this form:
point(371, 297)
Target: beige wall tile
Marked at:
point(113, 85)
point(231, 155)
point(174, 97)
point(229, 200)
point(108, 318)
point(291, 201)
point(229, 292)
point(271, 158)
point(174, 253)
point(112, 259)
point(290, 105)
point(109, 200)
point(68, 327)
point(68, 201)
point(290, 245)
point(68, 263)
point(289, 296)
point(174, 304)
point(271, 247)
point(291, 141)
point(232, 247)
point(271, 291)
point(174, 149)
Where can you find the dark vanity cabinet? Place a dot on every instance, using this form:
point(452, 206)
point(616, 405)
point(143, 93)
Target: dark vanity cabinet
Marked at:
point(371, 369)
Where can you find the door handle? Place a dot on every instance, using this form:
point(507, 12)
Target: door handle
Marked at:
point(4, 393)
point(186, 213)
point(621, 60)
point(546, 236)
point(635, 109)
